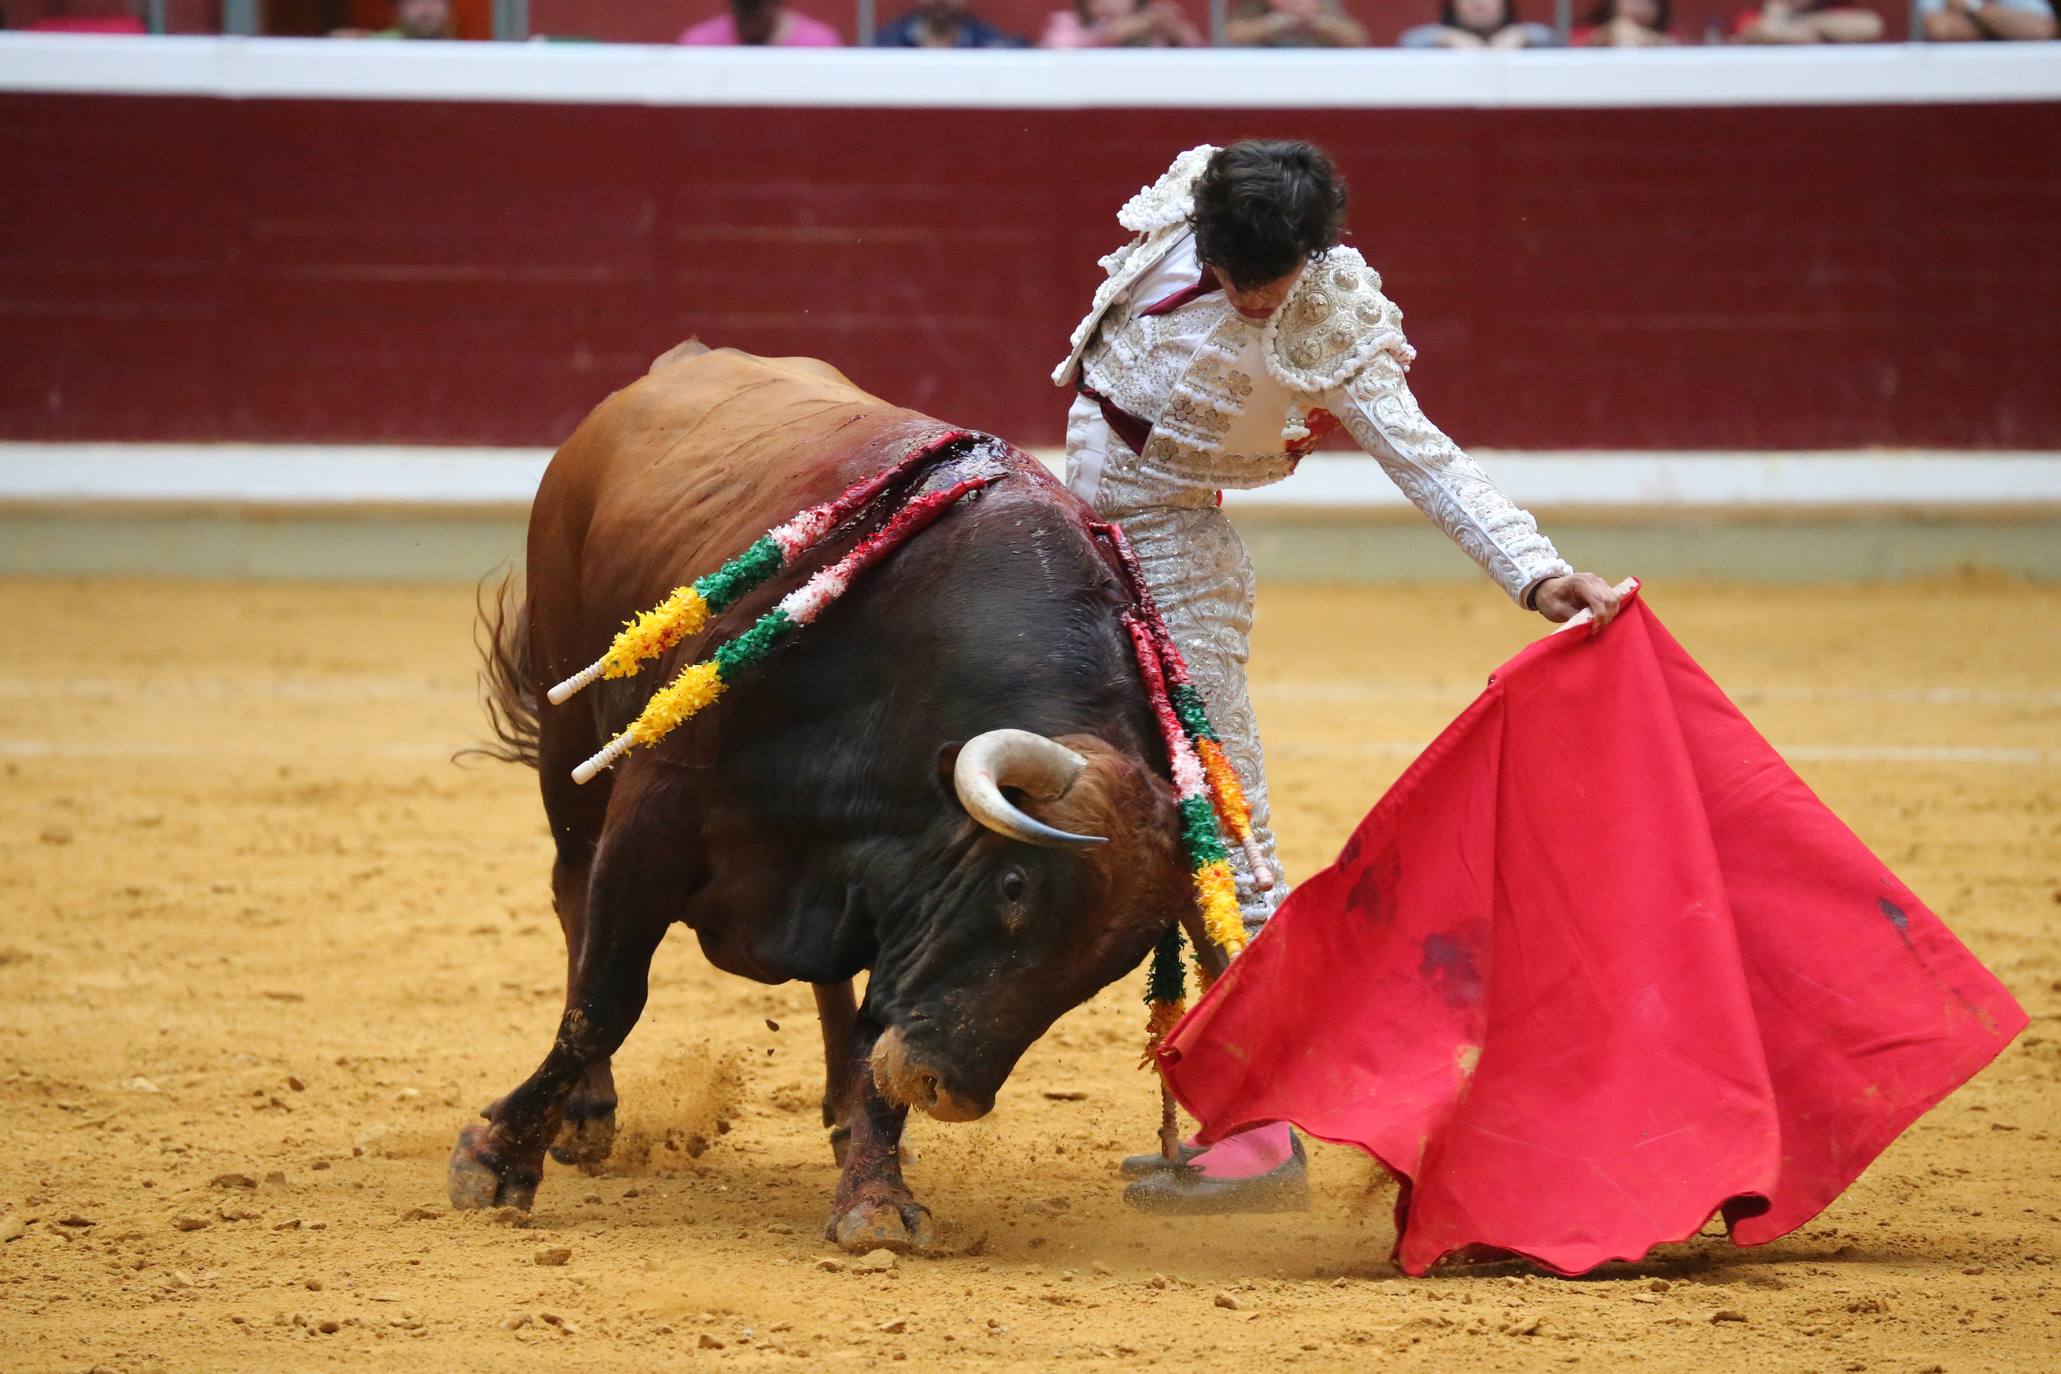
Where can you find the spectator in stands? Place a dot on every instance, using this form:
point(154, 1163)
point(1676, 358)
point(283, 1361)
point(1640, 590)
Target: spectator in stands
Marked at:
point(1477, 24)
point(1966, 21)
point(761, 24)
point(945, 24)
point(1625, 24)
point(1809, 21)
point(412, 19)
point(117, 17)
point(1293, 24)
point(1120, 24)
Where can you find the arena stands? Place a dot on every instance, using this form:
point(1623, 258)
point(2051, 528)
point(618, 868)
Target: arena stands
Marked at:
point(1383, 22)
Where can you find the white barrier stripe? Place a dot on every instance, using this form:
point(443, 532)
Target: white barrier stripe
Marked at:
point(372, 475)
point(271, 474)
point(1222, 78)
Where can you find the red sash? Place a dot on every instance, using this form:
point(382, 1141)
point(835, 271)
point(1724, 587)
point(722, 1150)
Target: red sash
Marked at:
point(1124, 425)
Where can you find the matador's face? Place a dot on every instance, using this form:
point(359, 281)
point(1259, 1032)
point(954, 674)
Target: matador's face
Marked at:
point(1258, 302)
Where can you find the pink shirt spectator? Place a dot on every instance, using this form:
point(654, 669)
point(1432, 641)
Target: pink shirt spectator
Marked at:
point(794, 31)
point(1120, 24)
point(1065, 30)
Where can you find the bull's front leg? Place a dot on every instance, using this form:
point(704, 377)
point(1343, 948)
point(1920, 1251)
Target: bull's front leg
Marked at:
point(874, 1209)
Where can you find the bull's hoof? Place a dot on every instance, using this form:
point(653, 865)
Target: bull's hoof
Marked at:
point(873, 1224)
point(478, 1180)
point(585, 1142)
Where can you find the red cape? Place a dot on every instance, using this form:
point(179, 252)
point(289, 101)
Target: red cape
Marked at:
point(1597, 966)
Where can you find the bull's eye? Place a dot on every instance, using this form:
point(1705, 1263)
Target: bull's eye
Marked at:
point(1013, 885)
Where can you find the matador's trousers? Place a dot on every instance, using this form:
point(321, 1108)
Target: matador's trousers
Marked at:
point(1198, 571)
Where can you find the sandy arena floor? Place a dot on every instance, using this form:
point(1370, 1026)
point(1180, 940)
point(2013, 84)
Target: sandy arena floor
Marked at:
point(264, 950)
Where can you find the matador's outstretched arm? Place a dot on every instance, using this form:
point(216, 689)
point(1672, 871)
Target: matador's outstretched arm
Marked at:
point(1375, 404)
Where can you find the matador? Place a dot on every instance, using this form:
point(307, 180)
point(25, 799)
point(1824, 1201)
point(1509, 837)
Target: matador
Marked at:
point(1233, 332)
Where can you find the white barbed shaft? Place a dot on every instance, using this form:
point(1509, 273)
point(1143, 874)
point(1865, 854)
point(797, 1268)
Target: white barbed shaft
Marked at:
point(606, 758)
point(1256, 860)
point(579, 681)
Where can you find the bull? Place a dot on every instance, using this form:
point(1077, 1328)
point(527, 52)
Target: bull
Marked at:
point(953, 782)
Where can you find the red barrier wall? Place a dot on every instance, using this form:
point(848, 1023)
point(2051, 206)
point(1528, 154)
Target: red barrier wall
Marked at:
point(176, 268)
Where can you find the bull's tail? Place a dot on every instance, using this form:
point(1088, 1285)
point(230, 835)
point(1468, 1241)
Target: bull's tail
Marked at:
point(509, 691)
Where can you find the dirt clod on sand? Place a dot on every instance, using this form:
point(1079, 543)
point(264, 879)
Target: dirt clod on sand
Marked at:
point(283, 938)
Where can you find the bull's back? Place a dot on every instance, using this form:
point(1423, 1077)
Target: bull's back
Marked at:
point(683, 469)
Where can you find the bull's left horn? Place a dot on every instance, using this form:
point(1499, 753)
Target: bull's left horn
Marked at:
point(1045, 769)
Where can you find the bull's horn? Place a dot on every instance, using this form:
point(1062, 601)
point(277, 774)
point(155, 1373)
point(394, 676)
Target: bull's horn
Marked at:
point(995, 759)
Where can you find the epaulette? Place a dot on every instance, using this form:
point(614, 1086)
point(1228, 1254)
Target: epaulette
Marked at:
point(1332, 325)
point(1169, 199)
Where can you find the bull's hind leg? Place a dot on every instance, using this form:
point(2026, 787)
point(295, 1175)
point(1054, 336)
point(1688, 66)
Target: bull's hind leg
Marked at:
point(586, 1129)
point(499, 1164)
point(586, 1132)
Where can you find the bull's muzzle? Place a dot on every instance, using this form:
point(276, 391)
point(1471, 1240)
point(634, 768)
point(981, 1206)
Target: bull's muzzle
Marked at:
point(904, 1078)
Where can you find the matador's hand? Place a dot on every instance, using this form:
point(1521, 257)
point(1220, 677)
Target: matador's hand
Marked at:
point(1560, 599)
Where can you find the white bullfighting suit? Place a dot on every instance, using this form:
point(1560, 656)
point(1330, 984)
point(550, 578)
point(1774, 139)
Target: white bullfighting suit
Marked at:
point(1210, 400)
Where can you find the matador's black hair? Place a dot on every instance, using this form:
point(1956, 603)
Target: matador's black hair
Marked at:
point(1263, 207)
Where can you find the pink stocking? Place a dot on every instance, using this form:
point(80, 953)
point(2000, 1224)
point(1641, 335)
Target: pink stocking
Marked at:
point(1247, 1154)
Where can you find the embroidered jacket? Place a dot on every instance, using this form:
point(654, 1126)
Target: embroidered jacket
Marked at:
point(1233, 403)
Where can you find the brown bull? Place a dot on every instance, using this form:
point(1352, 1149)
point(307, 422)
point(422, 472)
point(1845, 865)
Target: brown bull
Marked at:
point(952, 780)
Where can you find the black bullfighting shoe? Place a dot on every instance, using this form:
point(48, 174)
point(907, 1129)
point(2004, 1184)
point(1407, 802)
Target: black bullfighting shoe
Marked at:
point(1188, 1191)
point(1137, 1166)
point(1478, 1258)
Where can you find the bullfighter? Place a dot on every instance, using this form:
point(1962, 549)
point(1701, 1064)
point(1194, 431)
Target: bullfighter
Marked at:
point(1233, 331)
